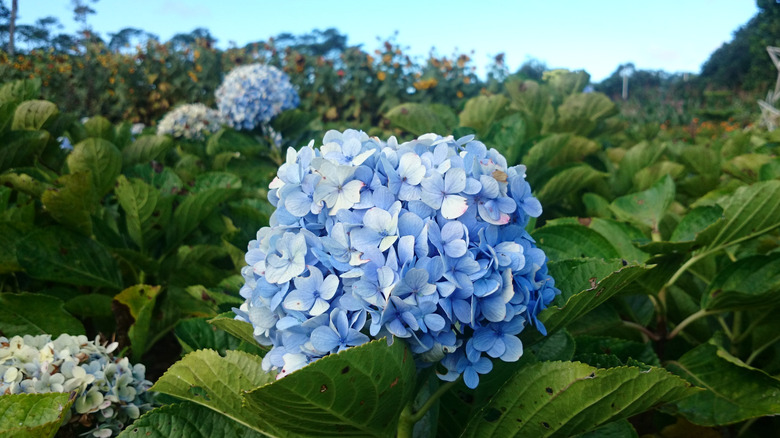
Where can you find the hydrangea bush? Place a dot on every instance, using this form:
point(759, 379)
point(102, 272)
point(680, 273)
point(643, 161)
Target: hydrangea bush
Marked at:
point(110, 391)
point(252, 95)
point(190, 121)
point(423, 241)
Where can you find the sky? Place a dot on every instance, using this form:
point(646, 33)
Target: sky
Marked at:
point(594, 35)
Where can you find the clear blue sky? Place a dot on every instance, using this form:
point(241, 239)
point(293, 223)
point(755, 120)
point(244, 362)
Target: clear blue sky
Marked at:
point(595, 35)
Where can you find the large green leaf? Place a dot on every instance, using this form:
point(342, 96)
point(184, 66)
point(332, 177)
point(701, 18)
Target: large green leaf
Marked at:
point(580, 113)
point(696, 221)
point(22, 314)
point(622, 348)
point(648, 207)
point(34, 415)
point(357, 392)
point(20, 90)
point(481, 112)
point(635, 159)
point(560, 399)
point(24, 183)
point(417, 118)
point(33, 114)
point(9, 237)
point(557, 149)
point(734, 391)
point(751, 211)
point(101, 158)
point(621, 235)
point(146, 148)
point(575, 275)
point(99, 127)
point(570, 241)
point(90, 306)
point(508, 136)
point(20, 147)
point(570, 179)
point(579, 304)
point(218, 383)
point(138, 200)
point(71, 203)
point(752, 282)
point(230, 140)
point(56, 254)
point(186, 420)
point(140, 300)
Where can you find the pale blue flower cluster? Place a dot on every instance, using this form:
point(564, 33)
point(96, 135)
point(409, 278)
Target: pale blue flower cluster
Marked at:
point(252, 95)
point(110, 392)
point(191, 121)
point(423, 240)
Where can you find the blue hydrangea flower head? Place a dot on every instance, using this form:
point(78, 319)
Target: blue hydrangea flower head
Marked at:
point(190, 121)
point(251, 95)
point(110, 392)
point(423, 241)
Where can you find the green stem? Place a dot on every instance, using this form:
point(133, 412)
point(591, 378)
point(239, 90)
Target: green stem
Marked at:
point(725, 328)
point(761, 349)
point(409, 416)
point(736, 325)
point(693, 317)
point(753, 324)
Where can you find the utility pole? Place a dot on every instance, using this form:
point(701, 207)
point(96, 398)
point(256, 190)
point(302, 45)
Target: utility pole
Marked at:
point(12, 28)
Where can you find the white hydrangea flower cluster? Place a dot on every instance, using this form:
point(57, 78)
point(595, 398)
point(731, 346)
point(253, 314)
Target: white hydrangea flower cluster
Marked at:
point(110, 392)
point(191, 121)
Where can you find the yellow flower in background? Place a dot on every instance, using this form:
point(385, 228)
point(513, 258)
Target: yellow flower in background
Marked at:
point(424, 84)
point(381, 76)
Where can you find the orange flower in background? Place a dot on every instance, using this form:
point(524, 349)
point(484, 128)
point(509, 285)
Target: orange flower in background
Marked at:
point(381, 76)
point(459, 94)
point(424, 84)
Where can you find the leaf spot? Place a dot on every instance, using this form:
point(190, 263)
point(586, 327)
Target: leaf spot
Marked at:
point(323, 388)
point(492, 415)
point(395, 382)
point(549, 390)
point(345, 370)
point(545, 425)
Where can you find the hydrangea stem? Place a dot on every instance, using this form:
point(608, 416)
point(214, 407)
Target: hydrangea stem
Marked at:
point(693, 317)
point(409, 416)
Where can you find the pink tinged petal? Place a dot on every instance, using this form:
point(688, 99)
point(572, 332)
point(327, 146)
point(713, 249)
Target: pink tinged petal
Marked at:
point(453, 206)
point(355, 259)
point(276, 183)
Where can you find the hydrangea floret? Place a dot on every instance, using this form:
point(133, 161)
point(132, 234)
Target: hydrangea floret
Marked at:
point(251, 95)
point(190, 121)
point(110, 392)
point(423, 240)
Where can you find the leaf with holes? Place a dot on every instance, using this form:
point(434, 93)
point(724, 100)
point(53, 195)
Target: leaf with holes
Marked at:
point(34, 415)
point(208, 379)
point(560, 399)
point(357, 392)
point(33, 114)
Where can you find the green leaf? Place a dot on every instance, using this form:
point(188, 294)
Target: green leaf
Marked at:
point(292, 122)
point(56, 254)
point(21, 314)
point(570, 179)
point(21, 147)
point(140, 300)
point(72, 202)
point(208, 379)
point(734, 391)
point(9, 238)
point(481, 112)
point(33, 114)
point(99, 127)
point(192, 211)
point(34, 415)
point(696, 221)
point(197, 334)
point(230, 140)
point(90, 306)
point(24, 183)
point(357, 392)
point(648, 207)
point(615, 429)
point(558, 149)
point(645, 178)
point(558, 346)
point(139, 201)
point(186, 420)
point(146, 148)
point(580, 113)
point(569, 241)
point(752, 282)
point(240, 329)
point(622, 348)
point(635, 159)
point(101, 158)
point(751, 211)
point(508, 136)
point(20, 90)
point(214, 180)
point(621, 235)
point(581, 303)
point(566, 398)
point(575, 275)
point(416, 118)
